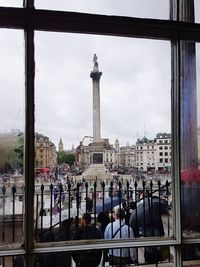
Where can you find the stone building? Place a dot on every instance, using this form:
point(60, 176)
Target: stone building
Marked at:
point(52, 156)
point(163, 152)
point(145, 154)
point(126, 156)
point(45, 152)
point(155, 154)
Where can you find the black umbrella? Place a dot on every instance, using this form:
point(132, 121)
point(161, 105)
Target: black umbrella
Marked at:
point(108, 204)
point(147, 216)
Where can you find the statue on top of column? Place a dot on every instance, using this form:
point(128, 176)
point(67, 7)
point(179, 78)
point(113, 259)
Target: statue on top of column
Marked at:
point(96, 67)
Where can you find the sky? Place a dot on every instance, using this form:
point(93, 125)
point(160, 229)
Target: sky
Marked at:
point(135, 87)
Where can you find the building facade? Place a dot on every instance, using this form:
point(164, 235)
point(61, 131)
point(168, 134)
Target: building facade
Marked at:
point(163, 152)
point(146, 155)
point(155, 154)
point(45, 152)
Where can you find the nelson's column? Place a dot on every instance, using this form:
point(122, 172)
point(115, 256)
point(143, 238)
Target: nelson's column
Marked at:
point(96, 75)
point(96, 150)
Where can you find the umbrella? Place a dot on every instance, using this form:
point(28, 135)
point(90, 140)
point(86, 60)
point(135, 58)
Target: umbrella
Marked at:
point(147, 217)
point(109, 204)
point(190, 175)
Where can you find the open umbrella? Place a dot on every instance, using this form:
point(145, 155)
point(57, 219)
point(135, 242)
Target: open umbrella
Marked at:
point(147, 217)
point(190, 190)
point(190, 175)
point(109, 204)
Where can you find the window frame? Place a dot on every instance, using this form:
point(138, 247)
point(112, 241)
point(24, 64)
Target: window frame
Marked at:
point(30, 20)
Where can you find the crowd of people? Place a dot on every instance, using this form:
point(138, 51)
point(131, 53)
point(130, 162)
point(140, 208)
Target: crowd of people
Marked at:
point(102, 221)
point(107, 229)
point(111, 227)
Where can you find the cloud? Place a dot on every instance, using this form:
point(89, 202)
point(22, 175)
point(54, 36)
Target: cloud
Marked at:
point(12, 79)
point(134, 87)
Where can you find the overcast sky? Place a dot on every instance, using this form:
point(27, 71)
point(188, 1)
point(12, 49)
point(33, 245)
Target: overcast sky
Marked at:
point(135, 86)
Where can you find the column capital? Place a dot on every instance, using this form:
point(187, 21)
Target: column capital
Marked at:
point(95, 75)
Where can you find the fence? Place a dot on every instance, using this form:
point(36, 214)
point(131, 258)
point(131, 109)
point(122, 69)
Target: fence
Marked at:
point(59, 207)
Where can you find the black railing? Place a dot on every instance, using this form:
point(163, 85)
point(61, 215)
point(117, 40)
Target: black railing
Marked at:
point(59, 207)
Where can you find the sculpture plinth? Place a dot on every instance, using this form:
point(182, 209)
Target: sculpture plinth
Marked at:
point(96, 170)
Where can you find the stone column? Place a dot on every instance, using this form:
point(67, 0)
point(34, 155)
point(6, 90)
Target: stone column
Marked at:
point(96, 75)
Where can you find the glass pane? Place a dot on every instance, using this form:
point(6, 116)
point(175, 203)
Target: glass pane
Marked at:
point(191, 255)
point(78, 171)
point(11, 135)
point(133, 8)
point(197, 11)
point(11, 3)
point(190, 142)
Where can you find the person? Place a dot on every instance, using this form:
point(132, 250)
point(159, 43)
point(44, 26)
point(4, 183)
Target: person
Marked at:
point(89, 203)
point(89, 258)
point(127, 212)
point(146, 221)
point(54, 235)
point(103, 219)
point(117, 230)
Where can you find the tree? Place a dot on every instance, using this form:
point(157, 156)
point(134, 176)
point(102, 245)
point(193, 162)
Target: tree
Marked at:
point(65, 157)
point(8, 156)
point(20, 151)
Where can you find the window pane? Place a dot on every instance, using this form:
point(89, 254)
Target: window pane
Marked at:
point(197, 11)
point(11, 135)
point(11, 3)
point(191, 255)
point(133, 8)
point(70, 154)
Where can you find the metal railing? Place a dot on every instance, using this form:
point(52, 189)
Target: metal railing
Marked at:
point(59, 207)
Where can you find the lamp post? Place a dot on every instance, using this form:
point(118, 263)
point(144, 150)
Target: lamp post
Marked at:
point(83, 162)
